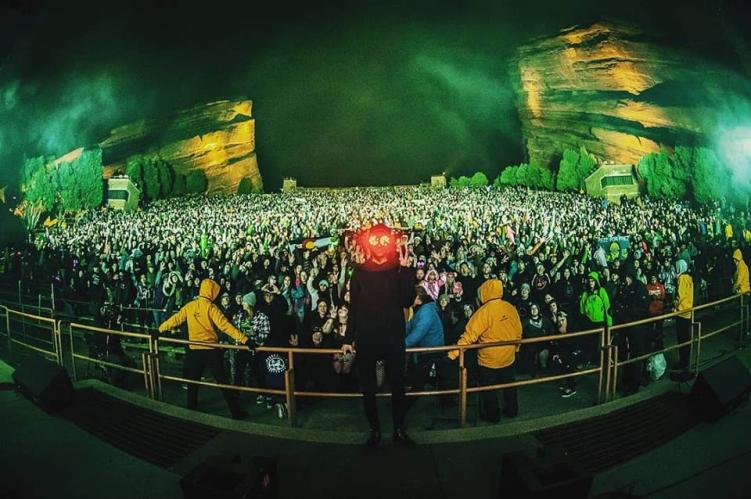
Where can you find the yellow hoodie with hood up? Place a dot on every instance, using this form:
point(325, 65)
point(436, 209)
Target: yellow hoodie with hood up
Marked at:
point(740, 284)
point(496, 320)
point(203, 316)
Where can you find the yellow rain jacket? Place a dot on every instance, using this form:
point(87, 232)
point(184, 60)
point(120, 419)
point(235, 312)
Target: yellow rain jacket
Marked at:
point(740, 284)
point(685, 298)
point(203, 316)
point(496, 320)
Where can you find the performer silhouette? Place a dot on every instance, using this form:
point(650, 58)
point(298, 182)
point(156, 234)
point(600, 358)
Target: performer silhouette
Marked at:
point(382, 286)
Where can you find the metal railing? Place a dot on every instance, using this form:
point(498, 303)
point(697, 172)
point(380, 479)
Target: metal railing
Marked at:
point(607, 371)
point(37, 333)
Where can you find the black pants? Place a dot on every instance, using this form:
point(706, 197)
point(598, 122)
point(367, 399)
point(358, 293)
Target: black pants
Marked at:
point(631, 343)
point(489, 376)
point(394, 359)
point(244, 364)
point(195, 362)
point(683, 334)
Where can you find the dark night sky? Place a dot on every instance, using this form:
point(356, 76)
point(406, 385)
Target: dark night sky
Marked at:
point(345, 92)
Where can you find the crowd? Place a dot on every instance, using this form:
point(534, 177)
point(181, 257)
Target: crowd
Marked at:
point(283, 264)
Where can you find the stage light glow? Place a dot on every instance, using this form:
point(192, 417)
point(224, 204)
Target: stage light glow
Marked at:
point(734, 148)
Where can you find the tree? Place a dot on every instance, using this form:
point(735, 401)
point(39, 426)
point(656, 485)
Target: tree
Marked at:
point(151, 178)
point(179, 187)
point(39, 182)
point(462, 181)
point(166, 179)
point(508, 175)
point(244, 187)
point(196, 181)
point(478, 179)
point(665, 179)
point(584, 166)
point(547, 179)
point(134, 171)
point(534, 176)
point(80, 181)
point(567, 171)
point(90, 184)
point(522, 175)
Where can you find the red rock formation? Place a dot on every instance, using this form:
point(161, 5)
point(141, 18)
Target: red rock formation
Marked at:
point(218, 138)
point(604, 86)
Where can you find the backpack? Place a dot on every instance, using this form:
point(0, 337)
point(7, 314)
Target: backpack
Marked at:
point(656, 366)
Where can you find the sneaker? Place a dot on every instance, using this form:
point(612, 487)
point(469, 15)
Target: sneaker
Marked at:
point(260, 399)
point(281, 410)
point(374, 438)
point(568, 392)
point(401, 438)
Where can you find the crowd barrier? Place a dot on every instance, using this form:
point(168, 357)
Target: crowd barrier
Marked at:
point(153, 374)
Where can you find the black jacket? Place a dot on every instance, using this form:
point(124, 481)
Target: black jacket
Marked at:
point(377, 303)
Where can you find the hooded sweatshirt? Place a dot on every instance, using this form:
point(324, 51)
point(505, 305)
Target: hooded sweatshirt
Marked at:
point(595, 305)
point(740, 283)
point(685, 297)
point(496, 320)
point(203, 317)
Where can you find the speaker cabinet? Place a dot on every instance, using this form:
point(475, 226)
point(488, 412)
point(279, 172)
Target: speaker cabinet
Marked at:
point(231, 477)
point(549, 475)
point(44, 382)
point(720, 389)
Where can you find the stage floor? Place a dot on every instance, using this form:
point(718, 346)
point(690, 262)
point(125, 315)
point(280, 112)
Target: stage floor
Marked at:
point(50, 456)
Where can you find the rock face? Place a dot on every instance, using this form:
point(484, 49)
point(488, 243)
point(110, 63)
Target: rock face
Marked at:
point(218, 138)
point(608, 87)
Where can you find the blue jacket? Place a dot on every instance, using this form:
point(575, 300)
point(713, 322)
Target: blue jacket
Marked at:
point(425, 328)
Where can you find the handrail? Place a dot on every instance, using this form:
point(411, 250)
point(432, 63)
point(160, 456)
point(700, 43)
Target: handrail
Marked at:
point(608, 368)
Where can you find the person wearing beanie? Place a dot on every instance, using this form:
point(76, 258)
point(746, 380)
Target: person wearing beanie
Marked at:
point(257, 327)
point(203, 318)
point(740, 281)
point(684, 302)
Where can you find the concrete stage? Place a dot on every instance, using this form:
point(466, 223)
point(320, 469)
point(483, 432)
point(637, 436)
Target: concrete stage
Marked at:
point(59, 455)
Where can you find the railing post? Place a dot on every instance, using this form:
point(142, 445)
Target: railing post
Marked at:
point(695, 339)
point(744, 318)
point(692, 349)
point(72, 352)
point(155, 368)
point(289, 388)
point(146, 362)
point(601, 376)
point(608, 360)
point(52, 295)
point(462, 390)
point(7, 328)
point(58, 338)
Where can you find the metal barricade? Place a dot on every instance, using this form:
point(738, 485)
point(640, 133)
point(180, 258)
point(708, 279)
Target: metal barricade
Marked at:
point(154, 374)
point(146, 370)
point(462, 390)
point(697, 336)
point(33, 332)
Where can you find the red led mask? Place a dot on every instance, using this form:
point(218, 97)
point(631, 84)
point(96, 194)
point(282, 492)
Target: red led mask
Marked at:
point(378, 246)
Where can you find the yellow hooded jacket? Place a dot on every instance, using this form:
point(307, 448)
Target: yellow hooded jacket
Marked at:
point(496, 320)
point(685, 298)
point(740, 284)
point(202, 316)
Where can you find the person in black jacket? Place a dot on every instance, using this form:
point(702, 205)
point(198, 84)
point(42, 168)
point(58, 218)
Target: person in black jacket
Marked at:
point(633, 306)
point(381, 288)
